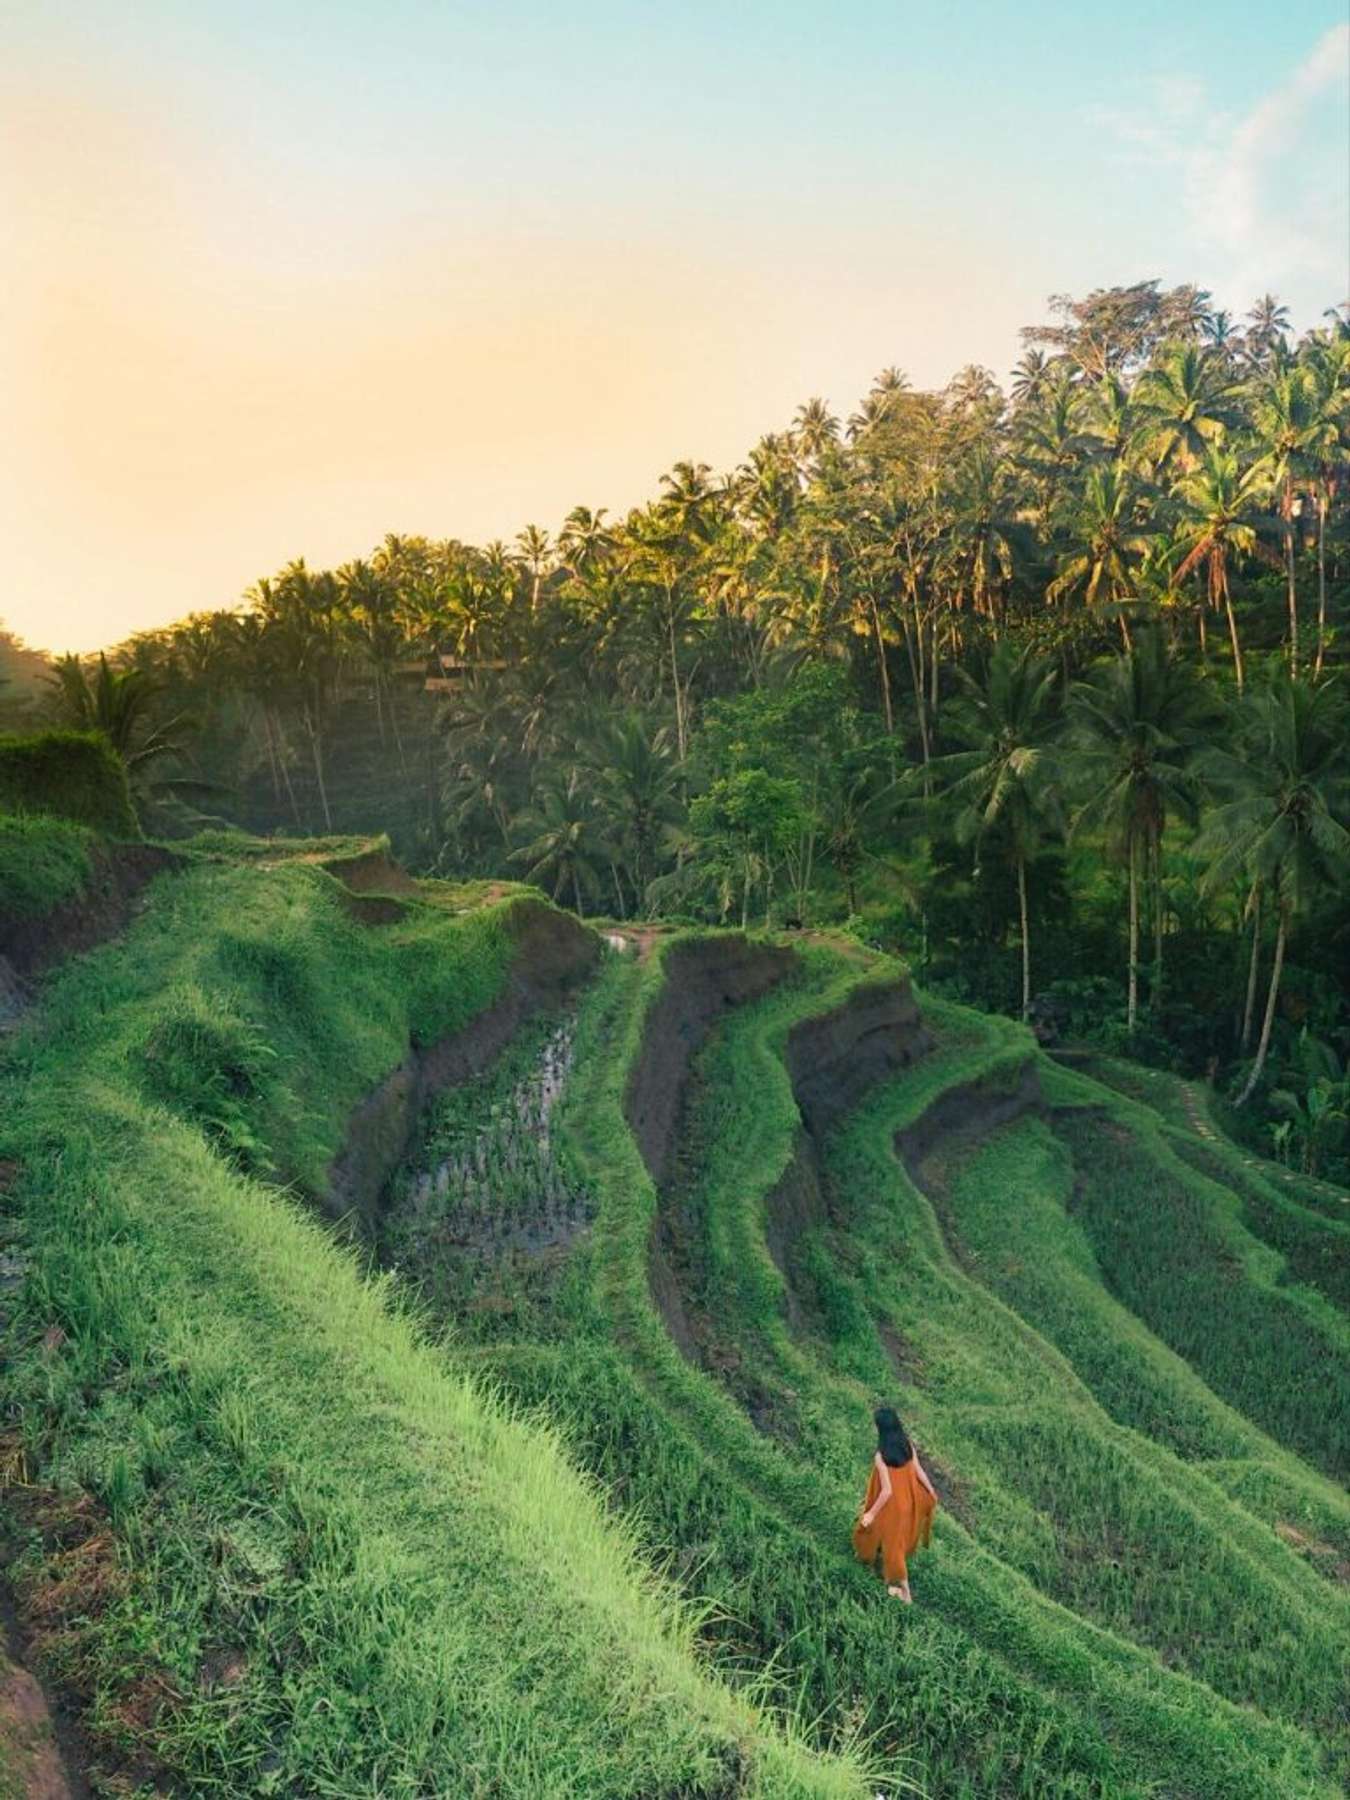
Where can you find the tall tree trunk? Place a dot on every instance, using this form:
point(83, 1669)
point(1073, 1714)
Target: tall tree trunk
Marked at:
point(1156, 988)
point(933, 676)
point(576, 891)
point(885, 673)
point(316, 746)
point(675, 674)
point(1232, 629)
point(1026, 937)
point(618, 886)
point(1289, 568)
point(1321, 580)
point(1272, 996)
point(271, 754)
point(1132, 1005)
point(286, 777)
point(1254, 907)
point(916, 674)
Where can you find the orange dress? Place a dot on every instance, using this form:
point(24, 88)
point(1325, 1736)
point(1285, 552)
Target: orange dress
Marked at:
point(905, 1522)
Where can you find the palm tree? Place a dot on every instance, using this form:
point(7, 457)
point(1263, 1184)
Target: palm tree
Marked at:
point(1001, 785)
point(1182, 406)
point(585, 541)
point(633, 778)
point(560, 840)
point(1104, 526)
point(120, 704)
point(1217, 502)
point(372, 621)
point(1049, 440)
point(815, 429)
point(1109, 417)
point(535, 550)
point(1295, 433)
point(1328, 366)
point(1268, 325)
point(1029, 375)
point(1283, 828)
point(1137, 726)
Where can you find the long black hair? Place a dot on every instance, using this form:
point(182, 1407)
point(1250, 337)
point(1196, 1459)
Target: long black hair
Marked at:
point(894, 1446)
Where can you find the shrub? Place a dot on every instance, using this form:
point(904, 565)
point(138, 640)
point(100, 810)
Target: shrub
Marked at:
point(42, 863)
point(75, 774)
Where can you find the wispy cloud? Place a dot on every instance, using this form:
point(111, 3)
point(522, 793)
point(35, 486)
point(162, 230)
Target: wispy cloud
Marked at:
point(1259, 187)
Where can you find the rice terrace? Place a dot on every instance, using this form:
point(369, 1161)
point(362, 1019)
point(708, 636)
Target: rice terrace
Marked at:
point(700, 1152)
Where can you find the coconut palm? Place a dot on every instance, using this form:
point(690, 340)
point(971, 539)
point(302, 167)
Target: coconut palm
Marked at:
point(585, 541)
point(1183, 403)
point(1137, 726)
point(1283, 828)
point(1328, 366)
point(124, 706)
point(814, 430)
point(1049, 440)
point(1000, 788)
point(535, 550)
point(1105, 528)
point(1268, 325)
point(371, 618)
point(1295, 434)
point(633, 778)
point(1218, 503)
point(561, 845)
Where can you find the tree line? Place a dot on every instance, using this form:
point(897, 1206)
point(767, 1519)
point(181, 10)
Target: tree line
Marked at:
point(1046, 684)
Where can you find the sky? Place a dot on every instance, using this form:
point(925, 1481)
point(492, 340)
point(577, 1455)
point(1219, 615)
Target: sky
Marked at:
point(278, 278)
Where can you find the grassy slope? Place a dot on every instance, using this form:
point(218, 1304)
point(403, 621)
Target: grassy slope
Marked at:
point(997, 1688)
point(416, 1589)
point(43, 861)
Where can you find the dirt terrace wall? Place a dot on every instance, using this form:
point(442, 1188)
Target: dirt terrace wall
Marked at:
point(553, 952)
point(702, 980)
point(832, 1061)
point(835, 1058)
point(980, 1106)
point(30, 946)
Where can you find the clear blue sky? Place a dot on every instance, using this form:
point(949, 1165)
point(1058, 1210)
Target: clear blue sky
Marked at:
point(285, 276)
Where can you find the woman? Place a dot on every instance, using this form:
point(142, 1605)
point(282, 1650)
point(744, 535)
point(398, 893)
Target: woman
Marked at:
point(897, 1510)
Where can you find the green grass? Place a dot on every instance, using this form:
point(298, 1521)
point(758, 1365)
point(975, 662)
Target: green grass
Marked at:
point(424, 1594)
point(71, 774)
point(1120, 1360)
point(1173, 1247)
point(44, 861)
point(992, 1686)
point(243, 846)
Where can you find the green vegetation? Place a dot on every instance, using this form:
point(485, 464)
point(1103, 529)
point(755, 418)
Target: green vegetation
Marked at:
point(43, 862)
point(1044, 688)
point(1086, 1465)
point(1046, 691)
point(74, 774)
point(302, 1487)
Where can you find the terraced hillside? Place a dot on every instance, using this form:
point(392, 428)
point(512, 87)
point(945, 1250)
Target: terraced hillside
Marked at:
point(679, 1209)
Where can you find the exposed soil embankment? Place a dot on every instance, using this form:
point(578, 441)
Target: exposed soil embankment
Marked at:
point(974, 1107)
point(372, 872)
point(40, 1755)
point(703, 979)
point(832, 1060)
point(552, 953)
point(835, 1058)
point(99, 911)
